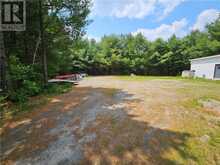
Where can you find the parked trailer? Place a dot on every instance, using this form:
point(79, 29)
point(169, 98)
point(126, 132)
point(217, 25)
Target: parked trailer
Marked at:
point(59, 80)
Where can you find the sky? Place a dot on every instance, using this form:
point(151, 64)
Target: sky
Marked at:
point(152, 18)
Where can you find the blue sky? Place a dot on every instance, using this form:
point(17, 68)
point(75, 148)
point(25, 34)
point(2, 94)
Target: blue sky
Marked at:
point(152, 18)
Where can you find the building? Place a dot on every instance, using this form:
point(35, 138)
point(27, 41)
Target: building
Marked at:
point(206, 67)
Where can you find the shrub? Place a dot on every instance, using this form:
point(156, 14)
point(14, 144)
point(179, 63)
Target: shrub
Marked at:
point(24, 80)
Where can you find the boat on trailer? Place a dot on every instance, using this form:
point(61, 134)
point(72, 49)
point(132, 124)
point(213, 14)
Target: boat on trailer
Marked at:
point(69, 78)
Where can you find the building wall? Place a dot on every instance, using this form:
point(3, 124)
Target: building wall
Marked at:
point(205, 68)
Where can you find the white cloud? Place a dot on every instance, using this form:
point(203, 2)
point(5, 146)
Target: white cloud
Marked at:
point(134, 8)
point(169, 6)
point(179, 28)
point(205, 18)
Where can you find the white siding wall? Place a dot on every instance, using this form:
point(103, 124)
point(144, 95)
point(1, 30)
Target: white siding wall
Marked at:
point(205, 67)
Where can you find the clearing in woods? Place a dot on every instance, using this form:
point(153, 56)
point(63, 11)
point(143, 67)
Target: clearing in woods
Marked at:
point(120, 120)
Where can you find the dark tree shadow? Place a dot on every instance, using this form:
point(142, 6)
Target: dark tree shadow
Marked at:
point(123, 139)
point(120, 137)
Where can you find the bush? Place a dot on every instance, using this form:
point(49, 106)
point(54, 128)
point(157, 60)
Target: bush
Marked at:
point(18, 96)
point(57, 88)
point(31, 88)
point(24, 81)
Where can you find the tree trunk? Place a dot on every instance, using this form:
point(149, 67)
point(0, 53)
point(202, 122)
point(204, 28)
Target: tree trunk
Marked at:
point(43, 49)
point(2, 63)
point(27, 59)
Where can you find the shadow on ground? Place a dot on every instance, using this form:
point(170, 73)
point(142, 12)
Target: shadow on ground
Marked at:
point(90, 126)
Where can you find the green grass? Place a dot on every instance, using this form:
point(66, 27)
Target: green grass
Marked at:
point(10, 110)
point(196, 80)
point(196, 121)
point(200, 122)
point(54, 89)
point(119, 149)
point(144, 78)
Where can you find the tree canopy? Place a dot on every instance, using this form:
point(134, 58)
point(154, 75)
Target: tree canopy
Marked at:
point(125, 54)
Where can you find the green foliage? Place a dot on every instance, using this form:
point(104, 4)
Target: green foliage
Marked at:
point(215, 138)
point(62, 30)
point(126, 54)
point(24, 79)
point(57, 88)
point(213, 29)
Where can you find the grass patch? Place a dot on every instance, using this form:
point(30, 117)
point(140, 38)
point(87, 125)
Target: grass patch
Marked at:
point(215, 139)
point(204, 141)
point(8, 110)
point(119, 149)
point(193, 103)
point(54, 89)
point(144, 78)
point(201, 80)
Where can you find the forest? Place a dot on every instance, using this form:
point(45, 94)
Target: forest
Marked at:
point(55, 43)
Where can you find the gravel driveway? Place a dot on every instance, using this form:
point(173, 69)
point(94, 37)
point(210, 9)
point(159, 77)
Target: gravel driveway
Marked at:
point(101, 121)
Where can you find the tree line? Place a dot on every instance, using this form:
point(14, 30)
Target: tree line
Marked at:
point(126, 54)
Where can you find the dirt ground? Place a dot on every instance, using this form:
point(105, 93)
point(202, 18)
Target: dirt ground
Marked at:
point(107, 120)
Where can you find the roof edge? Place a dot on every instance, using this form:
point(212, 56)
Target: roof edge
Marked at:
point(207, 57)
